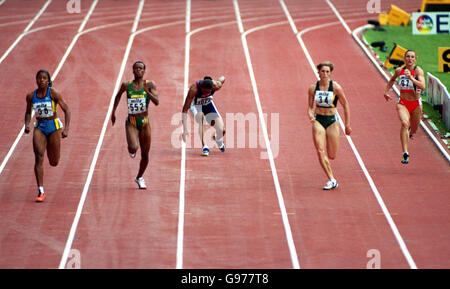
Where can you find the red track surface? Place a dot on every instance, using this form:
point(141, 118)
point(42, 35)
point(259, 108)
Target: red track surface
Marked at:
point(232, 217)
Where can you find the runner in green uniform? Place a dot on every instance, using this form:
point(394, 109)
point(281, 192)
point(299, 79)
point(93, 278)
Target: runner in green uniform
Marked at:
point(139, 94)
point(323, 97)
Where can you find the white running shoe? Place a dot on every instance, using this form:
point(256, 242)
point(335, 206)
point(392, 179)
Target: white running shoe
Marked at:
point(331, 184)
point(141, 183)
point(132, 155)
point(205, 151)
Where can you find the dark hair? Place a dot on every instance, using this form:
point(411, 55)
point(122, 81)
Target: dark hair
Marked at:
point(207, 77)
point(139, 62)
point(50, 82)
point(206, 83)
point(326, 63)
point(411, 50)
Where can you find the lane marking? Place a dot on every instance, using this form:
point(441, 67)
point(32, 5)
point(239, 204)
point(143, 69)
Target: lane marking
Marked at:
point(182, 193)
point(134, 33)
point(182, 198)
point(181, 207)
point(73, 229)
point(289, 17)
point(25, 30)
point(285, 219)
point(381, 203)
point(338, 15)
point(188, 16)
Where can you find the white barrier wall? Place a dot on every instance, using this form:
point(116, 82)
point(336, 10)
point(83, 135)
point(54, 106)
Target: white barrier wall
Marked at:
point(437, 94)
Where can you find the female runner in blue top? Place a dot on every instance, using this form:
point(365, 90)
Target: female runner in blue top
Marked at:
point(48, 127)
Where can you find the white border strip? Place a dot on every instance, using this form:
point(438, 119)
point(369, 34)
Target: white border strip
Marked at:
point(358, 156)
point(181, 208)
point(73, 229)
point(287, 227)
point(387, 77)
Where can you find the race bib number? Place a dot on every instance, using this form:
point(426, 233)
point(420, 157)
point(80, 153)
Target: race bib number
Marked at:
point(324, 98)
point(136, 105)
point(203, 101)
point(43, 109)
point(405, 82)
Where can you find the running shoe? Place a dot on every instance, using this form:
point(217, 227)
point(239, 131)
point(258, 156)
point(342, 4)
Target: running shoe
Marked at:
point(132, 155)
point(220, 144)
point(40, 198)
point(205, 152)
point(331, 184)
point(405, 158)
point(141, 183)
point(222, 148)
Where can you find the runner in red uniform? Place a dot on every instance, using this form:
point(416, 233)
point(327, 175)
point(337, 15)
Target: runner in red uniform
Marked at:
point(409, 106)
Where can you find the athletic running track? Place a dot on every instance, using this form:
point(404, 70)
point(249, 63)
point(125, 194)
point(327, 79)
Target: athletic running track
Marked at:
point(258, 205)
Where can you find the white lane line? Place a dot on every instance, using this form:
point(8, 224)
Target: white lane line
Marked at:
point(181, 208)
point(188, 16)
point(338, 15)
point(289, 17)
point(381, 203)
point(287, 227)
point(25, 31)
point(182, 198)
point(387, 77)
point(55, 74)
point(73, 229)
point(75, 39)
point(238, 17)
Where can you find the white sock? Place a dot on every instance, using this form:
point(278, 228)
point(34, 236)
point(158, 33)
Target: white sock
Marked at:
point(41, 190)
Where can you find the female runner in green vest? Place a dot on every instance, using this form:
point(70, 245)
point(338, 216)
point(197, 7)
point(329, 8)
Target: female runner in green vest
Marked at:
point(137, 126)
point(323, 97)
